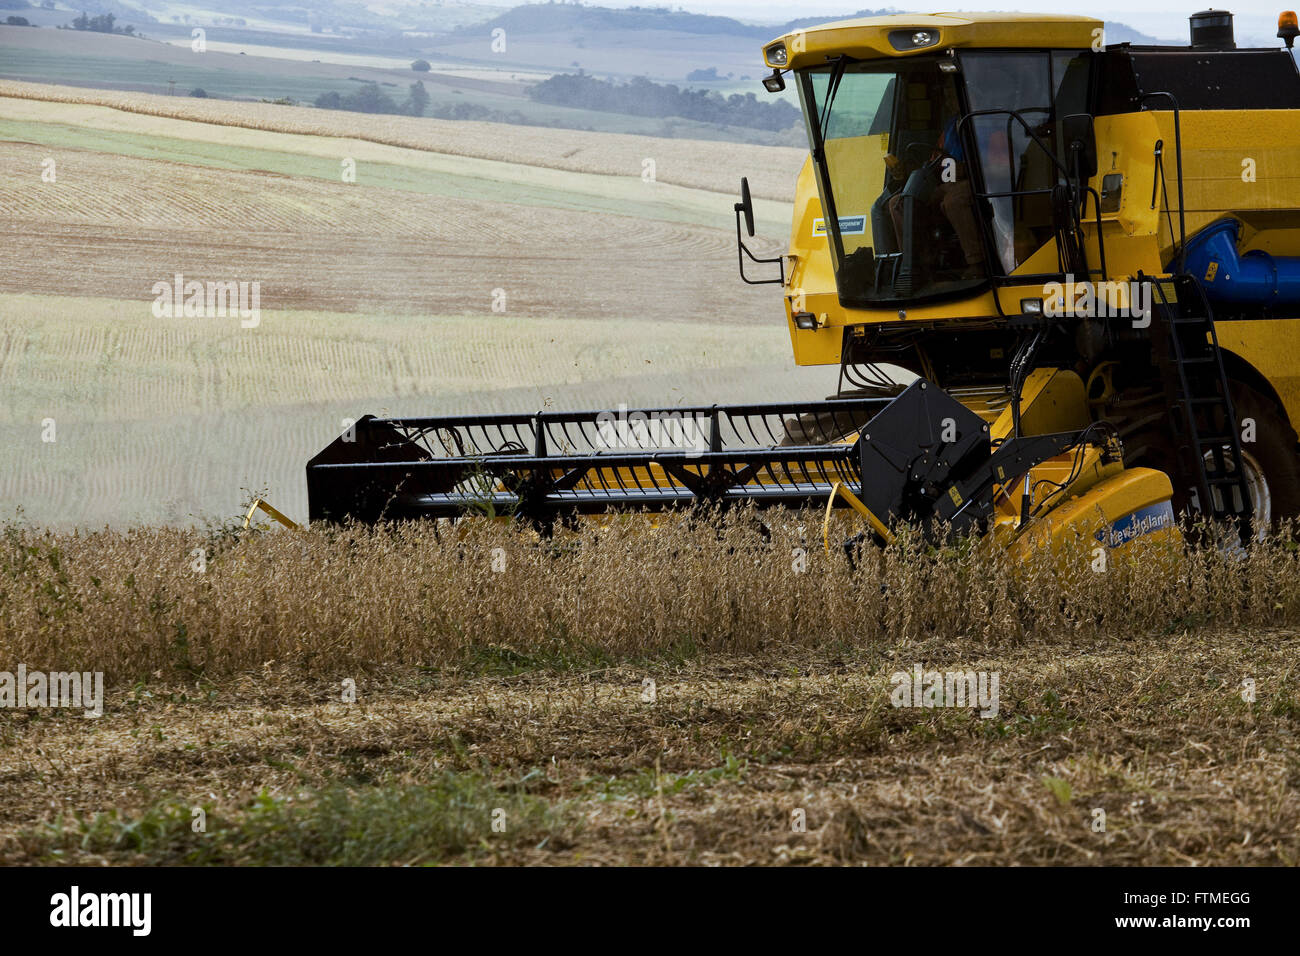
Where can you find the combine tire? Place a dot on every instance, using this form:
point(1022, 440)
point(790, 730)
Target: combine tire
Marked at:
point(1272, 460)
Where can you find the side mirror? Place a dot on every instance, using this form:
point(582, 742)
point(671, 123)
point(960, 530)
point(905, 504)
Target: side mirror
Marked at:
point(1081, 141)
point(746, 205)
point(745, 209)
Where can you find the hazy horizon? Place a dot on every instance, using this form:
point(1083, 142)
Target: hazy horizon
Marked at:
point(1165, 20)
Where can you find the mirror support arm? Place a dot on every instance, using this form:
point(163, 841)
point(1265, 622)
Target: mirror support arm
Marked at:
point(746, 208)
point(743, 250)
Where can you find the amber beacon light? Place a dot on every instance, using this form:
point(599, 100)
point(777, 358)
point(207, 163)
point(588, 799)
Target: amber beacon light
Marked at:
point(1287, 28)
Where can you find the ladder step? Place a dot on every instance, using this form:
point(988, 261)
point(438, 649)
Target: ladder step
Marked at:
point(1192, 371)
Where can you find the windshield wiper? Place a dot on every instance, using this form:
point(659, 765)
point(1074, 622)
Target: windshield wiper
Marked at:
point(832, 87)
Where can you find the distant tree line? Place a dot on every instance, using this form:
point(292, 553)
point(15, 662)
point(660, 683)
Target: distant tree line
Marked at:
point(641, 97)
point(100, 24)
point(369, 98)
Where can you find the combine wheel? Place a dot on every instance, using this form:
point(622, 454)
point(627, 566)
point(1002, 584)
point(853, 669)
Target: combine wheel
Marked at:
point(1272, 460)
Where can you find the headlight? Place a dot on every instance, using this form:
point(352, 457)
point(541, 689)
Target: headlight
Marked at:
point(904, 40)
point(776, 54)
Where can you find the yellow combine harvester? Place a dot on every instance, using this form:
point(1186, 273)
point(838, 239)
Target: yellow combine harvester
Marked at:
point(1061, 281)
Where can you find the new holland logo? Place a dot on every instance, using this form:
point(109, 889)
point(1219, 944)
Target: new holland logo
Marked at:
point(1143, 521)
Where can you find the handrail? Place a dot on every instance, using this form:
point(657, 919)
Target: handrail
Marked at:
point(1178, 160)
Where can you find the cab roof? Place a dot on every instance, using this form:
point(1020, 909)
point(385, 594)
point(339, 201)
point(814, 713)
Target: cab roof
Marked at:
point(892, 36)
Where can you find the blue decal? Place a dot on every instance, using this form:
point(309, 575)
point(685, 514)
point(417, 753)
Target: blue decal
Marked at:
point(1143, 521)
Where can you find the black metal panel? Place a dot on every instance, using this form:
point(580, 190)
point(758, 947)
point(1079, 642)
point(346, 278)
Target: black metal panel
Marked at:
point(1262, 79)
point(912, 450)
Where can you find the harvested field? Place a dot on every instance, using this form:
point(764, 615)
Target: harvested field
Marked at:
point(698, 164)
point(113, 226)
point(771, 694)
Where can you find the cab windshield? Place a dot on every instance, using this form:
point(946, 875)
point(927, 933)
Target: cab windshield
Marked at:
point(922, 200)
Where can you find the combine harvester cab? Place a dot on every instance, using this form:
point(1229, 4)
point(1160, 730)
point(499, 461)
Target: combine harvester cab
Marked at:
point(993, 240)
